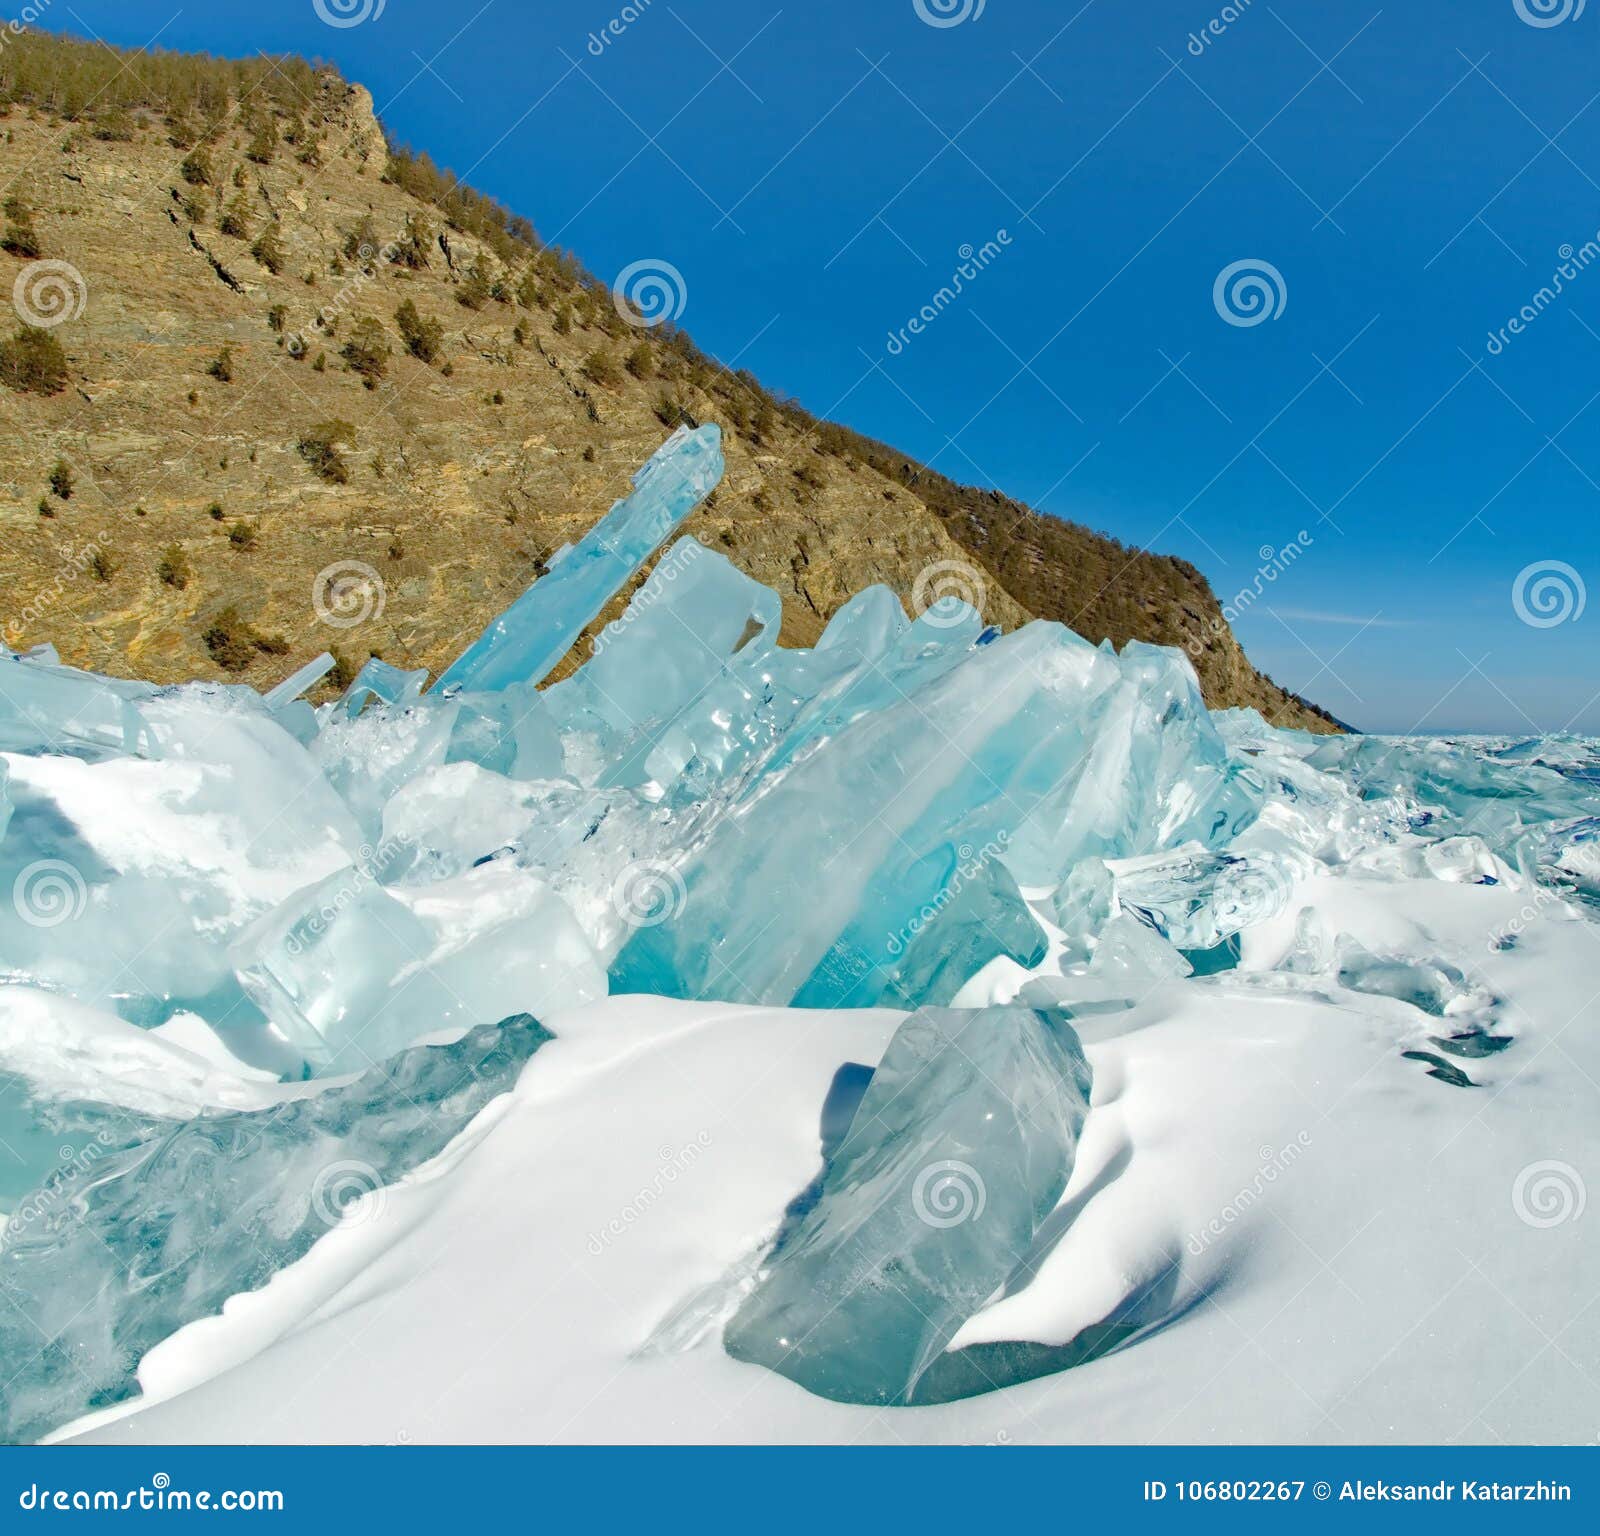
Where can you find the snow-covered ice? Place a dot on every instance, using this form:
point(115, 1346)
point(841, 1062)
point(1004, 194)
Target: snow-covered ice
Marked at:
point(934, 1035)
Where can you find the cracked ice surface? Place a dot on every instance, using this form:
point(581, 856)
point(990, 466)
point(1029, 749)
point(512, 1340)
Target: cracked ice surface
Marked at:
point(928, 1017)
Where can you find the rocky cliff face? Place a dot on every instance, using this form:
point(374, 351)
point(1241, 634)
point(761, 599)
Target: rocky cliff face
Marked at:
point(245, 465)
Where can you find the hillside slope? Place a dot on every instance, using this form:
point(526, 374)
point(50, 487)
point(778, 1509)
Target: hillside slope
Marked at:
point(235, 411)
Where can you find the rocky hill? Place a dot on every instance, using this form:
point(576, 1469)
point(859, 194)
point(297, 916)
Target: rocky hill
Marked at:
point(272, 371)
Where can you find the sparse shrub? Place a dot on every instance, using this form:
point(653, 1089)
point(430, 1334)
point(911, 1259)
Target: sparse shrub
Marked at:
point(344, 671)
point(277, 318)
point(235, 220)
point(562, 324)
point(242, 535)
point(214, 512)
point(62, 480)
point(641, 360)
point(263, 143)
point(234, 642)
point(589, 455)
point(113, 126)
point(423, 337)
point(476, 288)
point(268, 250)
point(196, 167)
point(367, 351)
point(221, 366)
point(173, 567)
point(20, 237)
point(600, 367)
point(672, 410)
point(810, 481)
point(319, 447)
point(103, 565)
point(33, 361)
point(411, 250)
point(362, 243)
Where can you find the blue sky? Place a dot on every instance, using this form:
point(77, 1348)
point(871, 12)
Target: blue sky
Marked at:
point(1413, 175)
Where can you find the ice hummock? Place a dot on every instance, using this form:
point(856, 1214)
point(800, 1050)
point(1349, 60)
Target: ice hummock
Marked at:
point(959, 1149)
point(164, 1228)
point(914, 814)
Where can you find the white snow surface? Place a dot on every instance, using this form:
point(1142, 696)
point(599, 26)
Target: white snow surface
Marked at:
point(1334, 1246)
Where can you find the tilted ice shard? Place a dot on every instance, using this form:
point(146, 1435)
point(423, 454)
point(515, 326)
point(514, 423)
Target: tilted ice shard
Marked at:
point(694, 619)
point(1037, 750)
point(389, 685)
point(532, 635)
point(298, 681)
point(45, 707)
point(961, 1146)
point(158, 1233)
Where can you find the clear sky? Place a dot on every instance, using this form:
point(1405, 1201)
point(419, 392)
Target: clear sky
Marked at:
point(1414, 173)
